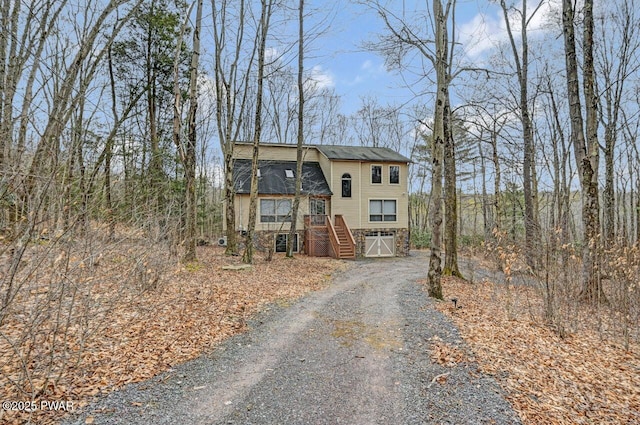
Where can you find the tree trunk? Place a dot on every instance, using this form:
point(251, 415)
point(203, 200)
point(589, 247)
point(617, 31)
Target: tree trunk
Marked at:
point(531, 226)
point(296, 199)
point(109, 153)
point(437, 153)
point(486, 221)
point(451, 197)
point(232, 89)
point(497, 194)
point(585, 149)
point(190, 152)
point(608, 194)
point(263, 29)
point(46, 150)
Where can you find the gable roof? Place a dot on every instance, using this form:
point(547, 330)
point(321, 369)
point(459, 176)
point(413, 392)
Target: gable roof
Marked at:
point(361, 153)
point(273, 181)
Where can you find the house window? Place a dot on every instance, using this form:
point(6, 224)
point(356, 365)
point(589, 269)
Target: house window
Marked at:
point(288, 174)
point(346, 185)
point(394, 174)
point(275, 210)
point(376, 174)
point(317, 206)
point(382, 210)
point(281, 242)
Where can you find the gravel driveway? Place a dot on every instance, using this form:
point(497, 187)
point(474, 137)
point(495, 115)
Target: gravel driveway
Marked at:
point(354, 353)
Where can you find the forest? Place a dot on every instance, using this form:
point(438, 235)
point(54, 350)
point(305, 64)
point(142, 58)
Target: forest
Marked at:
point(118, 120)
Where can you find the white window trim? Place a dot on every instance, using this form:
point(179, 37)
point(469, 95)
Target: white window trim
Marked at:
point(286, 235)
point(399, 174)
point(381, 199)
point(350, 179)
point(371, 174)
point(277, 200)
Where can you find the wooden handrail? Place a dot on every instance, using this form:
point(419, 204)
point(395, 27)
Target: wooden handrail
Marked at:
point(333, 238)
point(347, 229)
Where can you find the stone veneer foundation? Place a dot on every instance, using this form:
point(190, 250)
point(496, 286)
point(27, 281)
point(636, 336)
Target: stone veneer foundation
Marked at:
point(265, 239)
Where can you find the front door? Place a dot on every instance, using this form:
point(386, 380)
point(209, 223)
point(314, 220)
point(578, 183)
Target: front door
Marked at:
point(317, 206)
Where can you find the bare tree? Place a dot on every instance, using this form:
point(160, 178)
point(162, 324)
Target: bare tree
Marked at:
point(60, 112)
point(261, 41)
point(521, 60)
point(300, 136)
point(439, 52)
point(232, 72)
point(187, 150)
point(585, 144)
point(619, 28)
point(560, 152)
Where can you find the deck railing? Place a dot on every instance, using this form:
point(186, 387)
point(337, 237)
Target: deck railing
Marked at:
point(341, 222)
point(315, 220)
point(333, 239)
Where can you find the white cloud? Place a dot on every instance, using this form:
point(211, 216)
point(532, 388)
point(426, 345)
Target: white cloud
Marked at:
point(321, 78)
point(369, 71)
point(481, 34)
point(485, 31)
point(271, 54)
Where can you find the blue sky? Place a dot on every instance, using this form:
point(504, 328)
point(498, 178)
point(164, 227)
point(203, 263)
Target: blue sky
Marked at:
point(341, 61)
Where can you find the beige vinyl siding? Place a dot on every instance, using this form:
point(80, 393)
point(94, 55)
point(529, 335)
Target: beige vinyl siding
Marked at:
point(349, 208)
point(356, 209)
point(325, 166)
point(242, 213)
point(275, 152)
point(384, 191)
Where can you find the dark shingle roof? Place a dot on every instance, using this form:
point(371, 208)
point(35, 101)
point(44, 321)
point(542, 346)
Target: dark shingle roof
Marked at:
point(361, 153)
point(273, 180)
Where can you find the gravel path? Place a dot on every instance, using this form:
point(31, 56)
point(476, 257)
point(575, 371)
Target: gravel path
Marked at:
point(354, 353)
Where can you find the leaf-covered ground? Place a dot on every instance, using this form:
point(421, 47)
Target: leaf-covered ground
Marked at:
point(130, 325)
point(180, 316)
point(584, 377)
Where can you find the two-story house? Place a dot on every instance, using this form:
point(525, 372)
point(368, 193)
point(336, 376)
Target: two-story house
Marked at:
point(354, 199)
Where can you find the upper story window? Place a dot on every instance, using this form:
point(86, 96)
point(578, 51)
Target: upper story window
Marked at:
point(394, 174)
point(346, 185)
point(376, 174)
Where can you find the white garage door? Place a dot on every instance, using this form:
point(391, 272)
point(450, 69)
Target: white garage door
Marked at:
point(380, 244)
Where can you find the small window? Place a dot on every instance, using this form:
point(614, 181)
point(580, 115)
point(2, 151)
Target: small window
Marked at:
point(275, 210)
point(382, 210)
point(376, 174)
point(281, 242)
point(346, 185)
point(288, 173)
point(394, 174)
point(259, 173)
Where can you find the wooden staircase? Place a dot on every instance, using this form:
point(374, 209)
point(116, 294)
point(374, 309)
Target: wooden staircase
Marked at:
point(342, 241)
point(322, 238)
